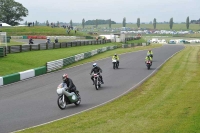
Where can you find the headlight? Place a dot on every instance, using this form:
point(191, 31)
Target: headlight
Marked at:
point(59, 91)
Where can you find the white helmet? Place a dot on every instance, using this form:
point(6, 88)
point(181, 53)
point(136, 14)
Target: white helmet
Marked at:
point(94, 64)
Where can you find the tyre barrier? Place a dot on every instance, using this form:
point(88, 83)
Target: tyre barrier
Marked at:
point(58, 64)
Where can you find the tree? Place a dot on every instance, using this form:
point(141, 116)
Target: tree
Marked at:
point(83, 23)
point(58, 23)
point(11, 12)
point(71, 24)
point(154, 23)
point(171, 23)
point(47, 23)
point(124, 22)
point(96, 23)
point(187, 23)
point(109, 23)
point(138, 22)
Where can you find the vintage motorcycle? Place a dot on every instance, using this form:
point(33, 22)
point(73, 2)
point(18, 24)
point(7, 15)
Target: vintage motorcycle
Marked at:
point(66, 97)
point(97, 80)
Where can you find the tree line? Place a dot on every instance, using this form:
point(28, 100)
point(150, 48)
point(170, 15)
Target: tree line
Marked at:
point(11, 12)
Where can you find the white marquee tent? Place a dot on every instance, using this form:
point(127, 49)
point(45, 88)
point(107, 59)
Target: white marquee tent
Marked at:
point(4, 24)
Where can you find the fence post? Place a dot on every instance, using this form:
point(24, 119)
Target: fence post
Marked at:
point(71, 44)
point(38, 46)
point(20, 48)
point(60, 45)
point(46, 45)
point(9, 49)
point(30, 47)
point(53, 45)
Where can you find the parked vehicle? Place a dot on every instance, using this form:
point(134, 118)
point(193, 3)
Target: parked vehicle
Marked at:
point(66, 97)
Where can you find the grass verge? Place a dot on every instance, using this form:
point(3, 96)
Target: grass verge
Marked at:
point(166, 103)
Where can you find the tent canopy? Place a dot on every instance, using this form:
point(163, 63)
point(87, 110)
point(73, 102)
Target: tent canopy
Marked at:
point(4, 24)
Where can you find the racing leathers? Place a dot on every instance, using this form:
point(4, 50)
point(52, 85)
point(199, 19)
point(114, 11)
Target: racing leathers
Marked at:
point(70, 85)
point(96, 70)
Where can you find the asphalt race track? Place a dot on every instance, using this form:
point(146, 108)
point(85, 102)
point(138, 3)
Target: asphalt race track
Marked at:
point(34, 101)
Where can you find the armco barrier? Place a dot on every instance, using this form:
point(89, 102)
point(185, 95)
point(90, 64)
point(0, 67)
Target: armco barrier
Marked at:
point(27, 74)
point(22, 75)
point(1, 81)
point(11, 78)
point(40, 70)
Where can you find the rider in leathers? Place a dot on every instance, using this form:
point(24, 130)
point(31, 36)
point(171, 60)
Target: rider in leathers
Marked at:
point(96, 69)
point(116, 57)
point(70, 84)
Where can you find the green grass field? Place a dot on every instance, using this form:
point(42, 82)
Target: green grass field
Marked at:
point(160, 105)
point(39, 30)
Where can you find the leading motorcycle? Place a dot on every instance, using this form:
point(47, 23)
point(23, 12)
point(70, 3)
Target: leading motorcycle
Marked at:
point(66, 97)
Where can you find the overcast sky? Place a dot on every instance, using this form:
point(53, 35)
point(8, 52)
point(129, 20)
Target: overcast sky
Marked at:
point(116, 10)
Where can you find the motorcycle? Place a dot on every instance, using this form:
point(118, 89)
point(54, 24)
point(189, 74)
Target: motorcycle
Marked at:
point(66, 97)
point(148, 64)
point(97, 80)
point(115, 64)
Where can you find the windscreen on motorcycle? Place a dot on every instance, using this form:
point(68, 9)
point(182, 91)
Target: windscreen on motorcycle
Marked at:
point(62, 85)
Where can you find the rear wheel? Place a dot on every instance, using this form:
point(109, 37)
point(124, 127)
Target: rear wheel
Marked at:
point(148, 66)
point(62, 105)
point(79, 100)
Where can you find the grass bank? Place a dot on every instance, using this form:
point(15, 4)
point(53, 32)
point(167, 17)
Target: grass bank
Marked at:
point(40, 30)
point(163, 105)
point(17, 62)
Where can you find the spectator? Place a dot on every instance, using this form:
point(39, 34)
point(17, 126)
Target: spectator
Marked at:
point(48, 41)
point(56, 40)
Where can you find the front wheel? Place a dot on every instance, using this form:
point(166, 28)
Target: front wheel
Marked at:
point(61, 104)
point(96, 84)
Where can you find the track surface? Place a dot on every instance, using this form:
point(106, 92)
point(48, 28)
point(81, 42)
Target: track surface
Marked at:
point(34, 101)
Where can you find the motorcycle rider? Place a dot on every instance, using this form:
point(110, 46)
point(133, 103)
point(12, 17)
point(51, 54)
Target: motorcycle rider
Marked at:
point(70, 84)
point(148, 57)
point(30, 41)
point(96, 69)
point(150, 52)
point(116, 57)
point(48, 41)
